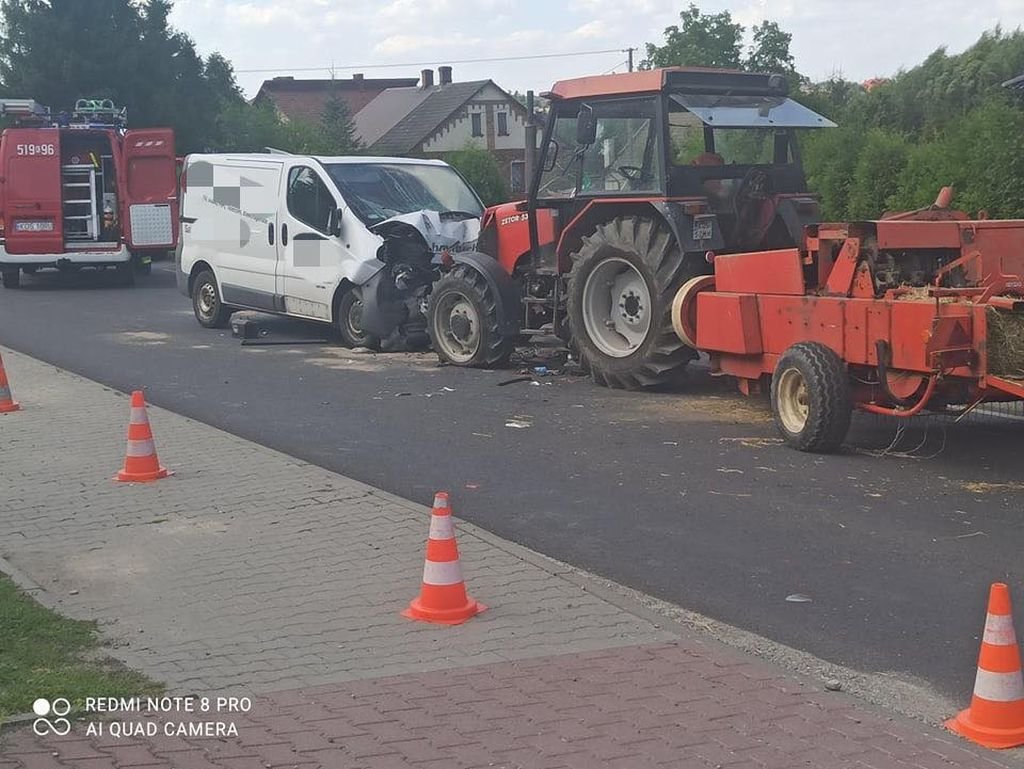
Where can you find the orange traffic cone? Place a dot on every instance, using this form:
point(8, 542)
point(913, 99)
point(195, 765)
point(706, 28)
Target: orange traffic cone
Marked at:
point(995, 718)
point(442, 597)
point(7, 404)
point(140, 462)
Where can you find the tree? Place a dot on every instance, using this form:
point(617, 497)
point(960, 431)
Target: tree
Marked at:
point(876, 176)
point(483, 173)
point(700, 40)
point(57, 51)
point(770, 50)
point(338, 129)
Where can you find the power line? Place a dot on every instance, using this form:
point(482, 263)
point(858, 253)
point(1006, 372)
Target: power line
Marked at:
point(430, 63)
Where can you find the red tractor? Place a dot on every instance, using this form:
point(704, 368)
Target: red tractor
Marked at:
point(642, 177)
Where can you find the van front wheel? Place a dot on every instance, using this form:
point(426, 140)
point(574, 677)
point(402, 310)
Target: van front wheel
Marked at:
point(206, 303)
point(350, 321)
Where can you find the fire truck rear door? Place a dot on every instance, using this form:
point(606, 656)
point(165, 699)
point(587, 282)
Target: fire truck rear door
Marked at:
point(33, 222)
point(150, 206)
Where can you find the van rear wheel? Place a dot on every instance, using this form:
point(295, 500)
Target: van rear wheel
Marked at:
point(12, 278)
point(206, 302)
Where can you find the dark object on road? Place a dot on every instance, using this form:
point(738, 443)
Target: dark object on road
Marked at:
point(279, 342)
point(253, 334)
point(244, 328)
point(515, 380)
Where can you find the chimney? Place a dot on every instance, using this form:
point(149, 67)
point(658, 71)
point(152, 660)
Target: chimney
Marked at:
point(445, 75)
point(357, 76)
point(426, 78)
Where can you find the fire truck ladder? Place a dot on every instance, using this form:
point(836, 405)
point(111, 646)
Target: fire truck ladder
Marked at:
point(81, 212)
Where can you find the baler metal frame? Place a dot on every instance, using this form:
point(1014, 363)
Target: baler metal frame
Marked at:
point(903, 349)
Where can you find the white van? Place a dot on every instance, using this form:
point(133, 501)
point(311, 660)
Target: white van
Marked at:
point(352, 241)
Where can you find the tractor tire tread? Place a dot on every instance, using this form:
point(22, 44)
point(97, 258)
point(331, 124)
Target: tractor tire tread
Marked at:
point(654, 244)
point(497, 348)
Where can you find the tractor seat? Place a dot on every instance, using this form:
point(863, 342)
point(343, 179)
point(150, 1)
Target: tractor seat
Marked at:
point(708, 159)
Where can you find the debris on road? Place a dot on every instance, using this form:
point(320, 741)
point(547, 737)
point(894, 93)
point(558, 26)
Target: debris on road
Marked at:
point(518, 423)
point(798, 598)
point(753, 443)
point(983, 487)
point(515, 380)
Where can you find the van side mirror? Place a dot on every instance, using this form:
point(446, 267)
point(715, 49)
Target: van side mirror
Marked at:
point(334, 222)
point(586, 126)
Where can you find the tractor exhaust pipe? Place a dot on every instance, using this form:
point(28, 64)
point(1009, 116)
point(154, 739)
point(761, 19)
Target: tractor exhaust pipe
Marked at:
point(945, 198)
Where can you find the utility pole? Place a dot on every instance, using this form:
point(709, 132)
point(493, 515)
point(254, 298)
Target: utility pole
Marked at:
point(630, 52)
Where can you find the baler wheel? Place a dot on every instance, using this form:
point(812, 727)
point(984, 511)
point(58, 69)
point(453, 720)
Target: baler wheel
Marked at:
point(811, 399)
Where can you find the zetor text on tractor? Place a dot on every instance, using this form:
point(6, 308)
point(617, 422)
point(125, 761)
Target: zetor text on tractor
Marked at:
point(641, 176)
point(81, 190)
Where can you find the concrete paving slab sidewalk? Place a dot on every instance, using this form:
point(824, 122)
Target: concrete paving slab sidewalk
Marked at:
point(252, 572)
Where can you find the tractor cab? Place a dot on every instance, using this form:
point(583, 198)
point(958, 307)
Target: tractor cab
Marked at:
point(726, 140)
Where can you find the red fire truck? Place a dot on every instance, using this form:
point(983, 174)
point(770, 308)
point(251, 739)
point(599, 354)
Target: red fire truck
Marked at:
point(80, 190)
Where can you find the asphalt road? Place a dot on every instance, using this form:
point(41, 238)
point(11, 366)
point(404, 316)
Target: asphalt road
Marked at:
point(687, 496)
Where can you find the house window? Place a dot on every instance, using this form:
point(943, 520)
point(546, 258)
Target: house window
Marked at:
point(478, 128)
point(502, 124)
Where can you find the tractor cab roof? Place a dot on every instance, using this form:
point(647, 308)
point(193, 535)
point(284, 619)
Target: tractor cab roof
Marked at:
point(719, 97)
point(699, 80)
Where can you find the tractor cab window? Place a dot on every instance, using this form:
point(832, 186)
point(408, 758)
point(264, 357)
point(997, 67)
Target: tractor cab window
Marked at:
point(625, 156)
point(730, 148)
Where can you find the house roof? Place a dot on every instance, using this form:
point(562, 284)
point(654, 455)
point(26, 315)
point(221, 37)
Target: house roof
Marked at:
point(305, 99)
point(1016, 82)
point(383, 113)
point(426, 116)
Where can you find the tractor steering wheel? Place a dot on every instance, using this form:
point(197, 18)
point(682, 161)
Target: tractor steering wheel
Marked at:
point(748, 203)
point(632, 173)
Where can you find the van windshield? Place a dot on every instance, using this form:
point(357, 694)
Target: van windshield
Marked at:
point(379, 191)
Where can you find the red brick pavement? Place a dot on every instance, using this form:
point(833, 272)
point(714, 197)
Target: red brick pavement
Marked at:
point(668, 705)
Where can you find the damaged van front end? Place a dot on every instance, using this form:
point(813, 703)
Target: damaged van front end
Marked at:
point(415, 247)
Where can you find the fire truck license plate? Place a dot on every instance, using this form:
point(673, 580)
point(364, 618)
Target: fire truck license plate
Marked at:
point(703, 228)
point(36, 226)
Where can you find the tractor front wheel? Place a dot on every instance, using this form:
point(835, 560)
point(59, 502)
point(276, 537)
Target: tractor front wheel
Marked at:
point(463, 321)
point(811, 399)
point(621, 287)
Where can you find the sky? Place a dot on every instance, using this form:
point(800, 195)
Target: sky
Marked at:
point(858, 38)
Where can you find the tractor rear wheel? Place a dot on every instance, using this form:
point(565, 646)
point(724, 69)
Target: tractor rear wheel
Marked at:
point(463, 322)
point(811, 399)
point(621, 287)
